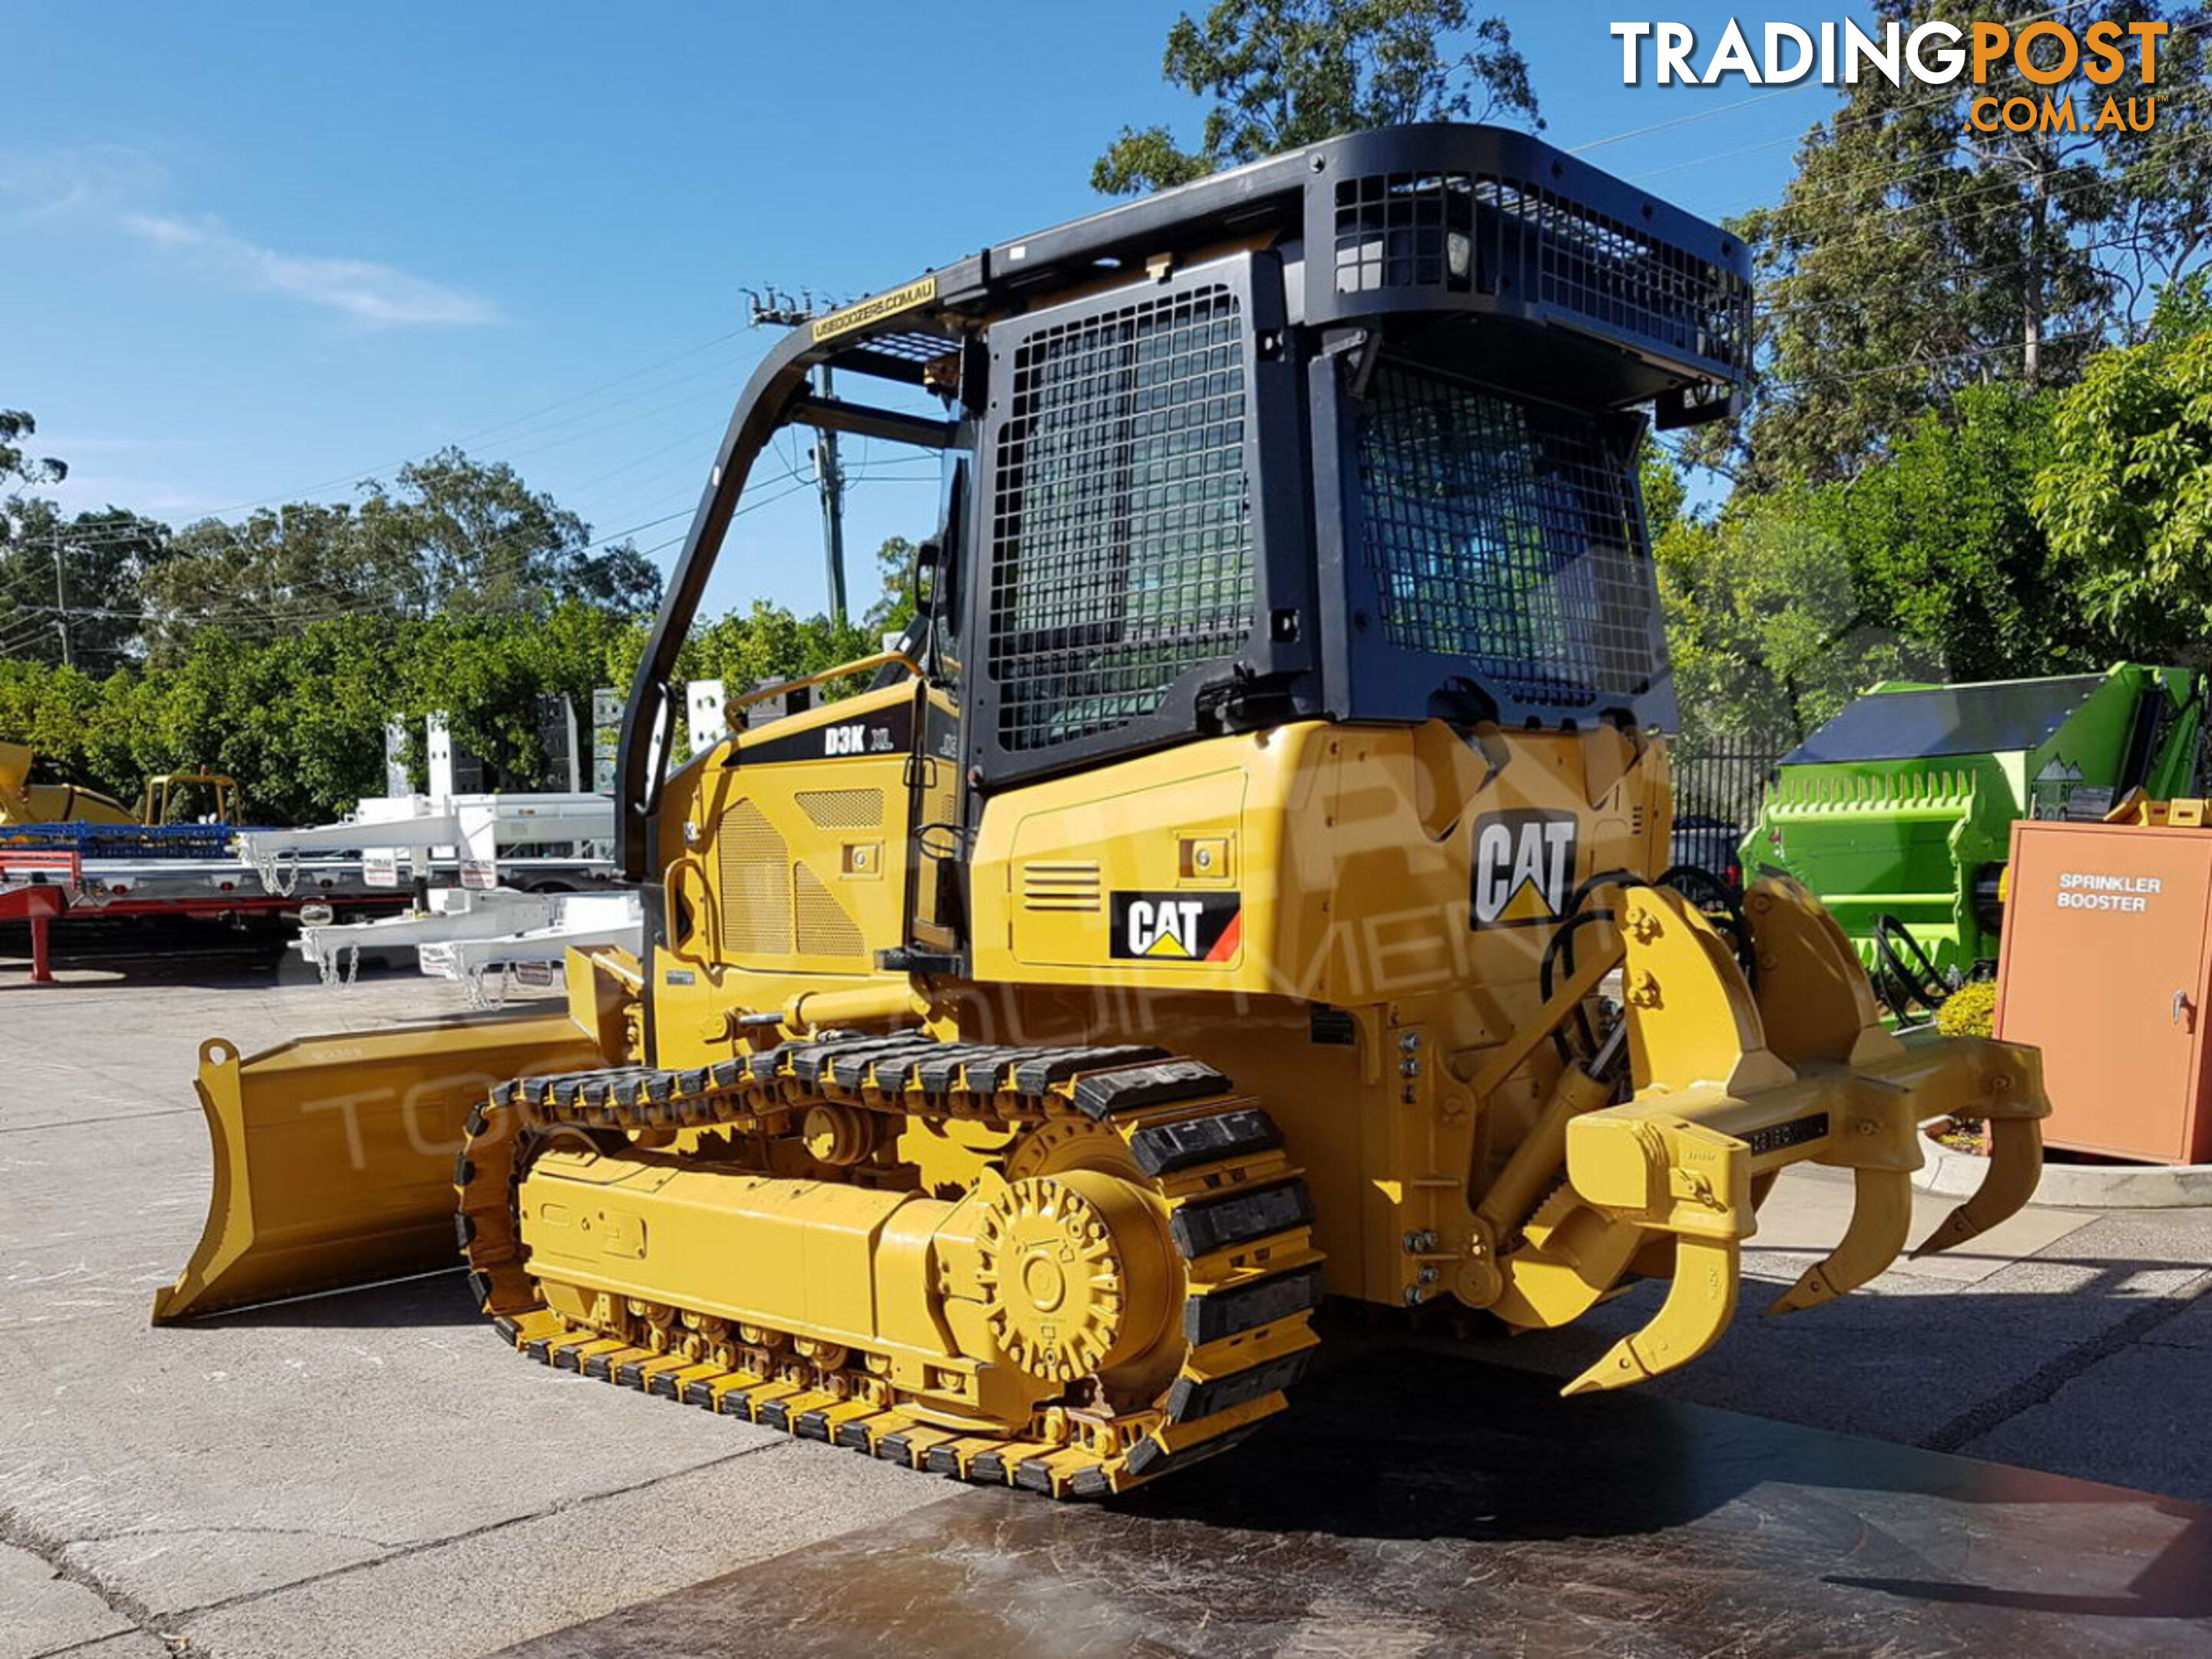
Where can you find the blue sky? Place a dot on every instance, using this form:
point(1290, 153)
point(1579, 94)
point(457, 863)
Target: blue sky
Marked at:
point(253, 252)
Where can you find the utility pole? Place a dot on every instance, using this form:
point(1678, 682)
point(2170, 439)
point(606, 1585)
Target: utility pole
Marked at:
point(61, 604)
point(772, 306)
point(833, 504)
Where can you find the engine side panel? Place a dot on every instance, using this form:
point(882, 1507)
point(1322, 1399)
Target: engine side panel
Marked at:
point(1336, 864)
point(1347, 920)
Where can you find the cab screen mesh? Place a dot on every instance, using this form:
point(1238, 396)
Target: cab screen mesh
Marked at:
point(1122, 549)
point(1505, 533)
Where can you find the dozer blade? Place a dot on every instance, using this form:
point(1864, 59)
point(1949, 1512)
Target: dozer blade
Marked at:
point(334, 1155)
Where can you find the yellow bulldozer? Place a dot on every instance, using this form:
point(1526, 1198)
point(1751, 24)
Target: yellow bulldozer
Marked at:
point(26, 798)
point(1244, 883)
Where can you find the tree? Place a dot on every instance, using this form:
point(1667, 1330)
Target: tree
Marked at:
point(767, 643)
point(487, 673)
point(894, 606)
point(1914, 254)
point(457, 532)
point(70, 589)
point(15, 425)
point(1284, 73)
point(1768, 633)
point(2161, 222)
point(1945, 548)
point(450, 534)
point(2127, 502)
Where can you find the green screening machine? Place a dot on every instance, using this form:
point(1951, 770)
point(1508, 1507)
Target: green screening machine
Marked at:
point(1898, 811)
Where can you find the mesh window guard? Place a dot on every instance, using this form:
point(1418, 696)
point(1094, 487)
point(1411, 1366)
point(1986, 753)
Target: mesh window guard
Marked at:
point(1461, 231)
point(1121, 548)
point(1505, 533)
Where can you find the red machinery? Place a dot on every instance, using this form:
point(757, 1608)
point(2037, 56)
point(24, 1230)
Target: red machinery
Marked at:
point(36, 887)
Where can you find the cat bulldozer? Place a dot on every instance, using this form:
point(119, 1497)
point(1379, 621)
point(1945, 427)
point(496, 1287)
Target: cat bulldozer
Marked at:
point(1244, 884)
point(35, 793)
point(32, 792)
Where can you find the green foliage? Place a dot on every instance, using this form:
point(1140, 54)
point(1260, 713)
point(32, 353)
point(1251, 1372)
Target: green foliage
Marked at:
point(1912, 256)
point(2127, 502)
point(299, 718)
point(895, 610)
point(278, 649)
point(1284, 73)
point(1768, 632)
point(767, 643)
point(1944, 547)
point(15, 425)
point(1665, 495)
point(1929, 563)
point(93, 563)
point(451, 535)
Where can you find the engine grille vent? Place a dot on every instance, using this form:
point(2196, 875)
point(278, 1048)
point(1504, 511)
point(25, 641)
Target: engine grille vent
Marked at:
point(843, 809)
point(824, 929)
point(1060, 886)
point(755, 883)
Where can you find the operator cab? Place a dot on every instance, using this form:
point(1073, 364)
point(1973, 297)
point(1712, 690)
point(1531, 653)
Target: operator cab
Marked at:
point(1348, 433)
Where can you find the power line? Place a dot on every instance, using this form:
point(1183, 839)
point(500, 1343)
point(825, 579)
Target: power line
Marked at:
point(1917, 280)
point(1920, 364)
point(1777, 91)
point(272, 613)
point(1685, 120)
point(727, 389)
point(1943, 95)
point(583, 491)
point(356, 473)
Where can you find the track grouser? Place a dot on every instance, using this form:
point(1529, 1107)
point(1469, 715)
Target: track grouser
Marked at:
point(1244, 884)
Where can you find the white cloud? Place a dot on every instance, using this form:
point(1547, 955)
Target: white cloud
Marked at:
point(105, 187)
point(59, 183)
point(361, 288)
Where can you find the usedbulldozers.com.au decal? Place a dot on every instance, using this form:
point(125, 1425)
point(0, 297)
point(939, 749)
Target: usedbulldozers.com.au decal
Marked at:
point(1176, 926)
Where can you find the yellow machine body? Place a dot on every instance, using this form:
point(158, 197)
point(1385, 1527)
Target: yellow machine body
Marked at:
point(1403, 1052)
point(23, 801)
point(334, 1155)
point(212, 795)
point(1244, 882)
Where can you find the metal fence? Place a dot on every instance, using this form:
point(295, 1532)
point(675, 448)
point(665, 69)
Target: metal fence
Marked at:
point(1718, 789)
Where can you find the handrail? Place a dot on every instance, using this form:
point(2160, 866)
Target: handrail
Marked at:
point(882, 658)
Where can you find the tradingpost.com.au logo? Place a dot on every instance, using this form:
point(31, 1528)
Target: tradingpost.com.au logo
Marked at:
point(2046, 53)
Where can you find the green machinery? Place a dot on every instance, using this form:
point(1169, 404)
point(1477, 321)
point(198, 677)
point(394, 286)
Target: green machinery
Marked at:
point(1898, 811)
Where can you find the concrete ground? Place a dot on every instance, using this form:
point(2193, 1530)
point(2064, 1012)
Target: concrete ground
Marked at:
point(2065, 1340)
point(364, 1475)
point(371, 1474)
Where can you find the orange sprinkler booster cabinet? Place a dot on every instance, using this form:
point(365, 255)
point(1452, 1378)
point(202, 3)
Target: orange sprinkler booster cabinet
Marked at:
point(2107, 969)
